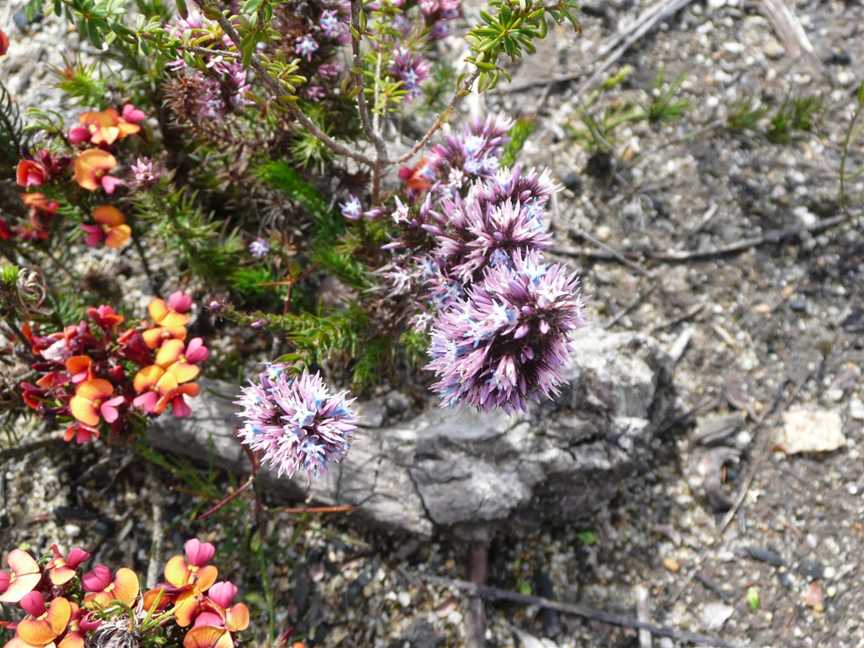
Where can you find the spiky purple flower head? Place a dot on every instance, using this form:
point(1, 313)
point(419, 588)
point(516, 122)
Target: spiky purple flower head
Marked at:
point(259, 248)
point(479, 234)
point(506, 342)
point(306, 46)
point(475, 152)
point(411, 69)
point(295, 422)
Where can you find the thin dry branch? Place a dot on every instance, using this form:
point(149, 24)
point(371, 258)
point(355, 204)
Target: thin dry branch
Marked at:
point(496, 594)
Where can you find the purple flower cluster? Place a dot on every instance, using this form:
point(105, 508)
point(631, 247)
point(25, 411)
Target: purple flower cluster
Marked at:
point(352, 209)
point(295, 422)
point(473, 153)
point(501, 320)
point(505, 343)
point(411, 69)
point(197, 95)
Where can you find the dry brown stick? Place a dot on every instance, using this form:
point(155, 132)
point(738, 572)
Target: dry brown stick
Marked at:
point(788, 27)
point(644, 24)
point(21, 451)
point(615, 253)
point(575, 609)
point(759, 456)
point(773, 236)
point(689, 314)
point(642, 296)
point(362, 107)
point(442, 118)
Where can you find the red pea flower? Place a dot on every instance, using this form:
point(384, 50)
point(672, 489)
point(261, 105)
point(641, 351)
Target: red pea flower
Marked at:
point(4, 43)
point(31, 173)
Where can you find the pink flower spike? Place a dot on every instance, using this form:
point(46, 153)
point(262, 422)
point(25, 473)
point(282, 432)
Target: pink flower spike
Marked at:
point(97, 579)
point(108, 410)
point(180, 302)
point(223, 593)
point(110, 183)
point(4, 580)
point(78, 134)
point(132, 114)
point(199, 553)
point(33, 603)
point(196, 351)
point(146, 401)
point(95, 236)
point(76, 557)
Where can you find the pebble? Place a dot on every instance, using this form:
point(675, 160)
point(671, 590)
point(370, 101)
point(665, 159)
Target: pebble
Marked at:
point(845, 78)
point(716, 614)
point(773, 49)
point(856, 409)
point(672, 565)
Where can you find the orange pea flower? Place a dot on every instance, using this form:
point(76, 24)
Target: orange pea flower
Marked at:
point(92, 169)
point(104, 127)
point(168, 323)
point(61, 570)
point(23, 576)
point(111, 228)
point(79, 625)
point(92, 400)
point(40, 203)
point(42, 626)
point(102, 590)
point(217, 618)
point(80, 368)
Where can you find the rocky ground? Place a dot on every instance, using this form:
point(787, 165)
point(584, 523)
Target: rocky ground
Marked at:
point(767, 344)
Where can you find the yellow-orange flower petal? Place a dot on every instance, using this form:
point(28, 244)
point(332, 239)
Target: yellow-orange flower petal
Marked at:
point(61, 575)
point(126, 586)
point(185, 607)
point(92, 164)
point(108, 117)
point(35, 632)
point(157, 309)
point(153, 336)
point(105, 135)
point(147, 378)
point(169, 352)
point(77, 364)
point(118, 236)
point(127, 128)
point(183, 372)
point(206, 577)
point(237, 618)
point(108, 215)
point(59, 613)
point(95, 389)
point(26, 576)
point(208, 637)
point(84, 410)
point(72, 640)
point(176, 571)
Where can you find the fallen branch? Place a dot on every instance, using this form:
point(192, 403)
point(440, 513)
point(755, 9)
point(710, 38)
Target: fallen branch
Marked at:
point(495, 594)
point(772, 237)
